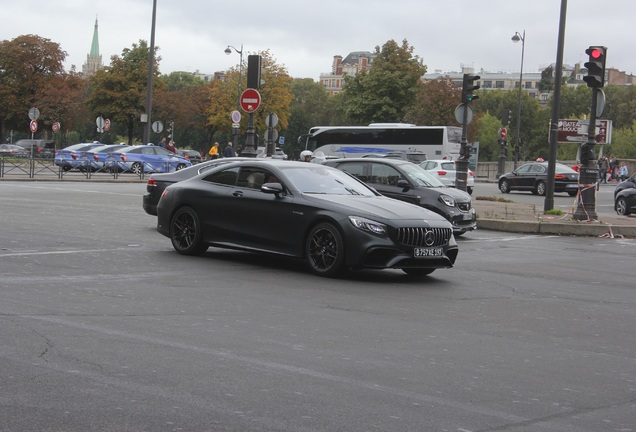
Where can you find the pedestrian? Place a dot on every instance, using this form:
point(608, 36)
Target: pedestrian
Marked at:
point(603, 166)
point(163, 143)
point(239, 149)
point(623, 173)
point(229, 151)
point(613, 167)
point(214, 151)
point(171, 147)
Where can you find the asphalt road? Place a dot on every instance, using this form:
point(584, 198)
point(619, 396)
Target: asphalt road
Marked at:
point(106, 328)
point(562, 201)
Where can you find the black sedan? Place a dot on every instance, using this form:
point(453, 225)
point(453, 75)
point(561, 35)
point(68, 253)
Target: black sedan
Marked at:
point(308, 211)
point(625, 197)
point(406, 181)
point(533, 177)
point(158, 182)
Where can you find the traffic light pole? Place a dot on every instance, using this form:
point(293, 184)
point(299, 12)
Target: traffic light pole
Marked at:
point(588, 173)
point(461, 164)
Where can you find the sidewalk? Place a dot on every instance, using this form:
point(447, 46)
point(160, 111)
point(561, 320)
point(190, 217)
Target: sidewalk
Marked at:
point(525, 218)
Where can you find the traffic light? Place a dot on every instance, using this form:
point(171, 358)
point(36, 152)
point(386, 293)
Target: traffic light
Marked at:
point(587, 154)
point(468, 87)
point(254, 71)
point(595, 66)
point(506, 117)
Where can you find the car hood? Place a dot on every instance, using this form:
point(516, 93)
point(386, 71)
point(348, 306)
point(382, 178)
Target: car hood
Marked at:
point(458, 195)
point(376, 207)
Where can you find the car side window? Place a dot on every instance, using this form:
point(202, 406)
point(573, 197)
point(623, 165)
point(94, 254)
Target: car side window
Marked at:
point(226, 177)
point(524, 169)
point(385, 174)
point(148, 150)
point(356, 169)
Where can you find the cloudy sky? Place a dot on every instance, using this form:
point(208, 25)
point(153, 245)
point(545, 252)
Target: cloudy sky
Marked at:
point(304, 36)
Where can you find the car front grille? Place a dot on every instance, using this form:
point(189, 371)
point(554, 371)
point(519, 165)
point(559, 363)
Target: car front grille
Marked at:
point(424, 237)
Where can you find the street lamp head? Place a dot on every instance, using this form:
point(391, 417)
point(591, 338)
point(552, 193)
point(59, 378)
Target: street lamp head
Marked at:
point(228, 51)
point(517, 37)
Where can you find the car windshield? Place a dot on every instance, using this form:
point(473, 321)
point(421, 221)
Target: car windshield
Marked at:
point(420, 177)
point(316, 179)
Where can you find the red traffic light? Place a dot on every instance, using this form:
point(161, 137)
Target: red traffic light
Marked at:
point(596, 53)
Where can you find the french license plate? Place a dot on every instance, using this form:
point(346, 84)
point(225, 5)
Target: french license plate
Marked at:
point(428, 252)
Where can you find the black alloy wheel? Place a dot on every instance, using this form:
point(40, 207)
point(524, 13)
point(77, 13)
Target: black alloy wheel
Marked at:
point(325, 250)
point(621, 207)
point(186, 233)
point(541, 188)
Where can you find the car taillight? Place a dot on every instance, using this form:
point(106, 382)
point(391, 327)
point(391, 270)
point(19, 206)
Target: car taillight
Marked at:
point(96, 157)
point(187, 157)
point(74, 155)
point(442, 173)
point(151, 182)
point(560, 176)
point(164, 193)
point(124, 158)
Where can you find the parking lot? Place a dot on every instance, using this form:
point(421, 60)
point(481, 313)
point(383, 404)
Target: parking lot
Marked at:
point(106, 328)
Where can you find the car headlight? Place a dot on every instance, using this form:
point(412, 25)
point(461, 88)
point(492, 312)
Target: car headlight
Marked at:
point(448, 200)
point(368, 225)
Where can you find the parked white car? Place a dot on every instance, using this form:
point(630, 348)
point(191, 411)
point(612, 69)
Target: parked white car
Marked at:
point(445, 171)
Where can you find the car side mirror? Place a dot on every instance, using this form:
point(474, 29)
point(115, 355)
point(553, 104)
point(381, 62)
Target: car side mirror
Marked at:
point(403, 184)
point(273, 188)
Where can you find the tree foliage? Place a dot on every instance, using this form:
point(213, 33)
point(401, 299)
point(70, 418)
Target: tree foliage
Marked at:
point(435, 103)
point(30, 66)
point(118, 91)
point(388, 90)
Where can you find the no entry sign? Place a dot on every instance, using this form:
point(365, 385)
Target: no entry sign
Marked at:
point(250, 100)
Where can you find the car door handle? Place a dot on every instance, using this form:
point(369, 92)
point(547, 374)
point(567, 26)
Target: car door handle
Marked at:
point(238, 193)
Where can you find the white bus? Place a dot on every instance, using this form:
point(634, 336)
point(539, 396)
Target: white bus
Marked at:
point(437, 142)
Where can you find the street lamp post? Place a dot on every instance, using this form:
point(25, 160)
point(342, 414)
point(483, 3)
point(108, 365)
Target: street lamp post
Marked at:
point(516, 38)
point(228, 51)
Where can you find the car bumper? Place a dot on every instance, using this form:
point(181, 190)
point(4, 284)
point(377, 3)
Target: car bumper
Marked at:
point(149, 204)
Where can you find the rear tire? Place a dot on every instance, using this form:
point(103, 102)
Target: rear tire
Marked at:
point(541, 188)
point(186, 232)
point(137, 168)
point(324, 250)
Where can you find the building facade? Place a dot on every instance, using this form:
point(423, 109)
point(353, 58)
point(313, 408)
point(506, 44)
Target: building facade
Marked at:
point(353, 64)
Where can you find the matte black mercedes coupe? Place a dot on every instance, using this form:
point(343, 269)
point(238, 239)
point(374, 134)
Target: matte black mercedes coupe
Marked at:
point(308, 211)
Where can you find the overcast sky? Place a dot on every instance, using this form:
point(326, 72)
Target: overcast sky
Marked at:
point(304, 36)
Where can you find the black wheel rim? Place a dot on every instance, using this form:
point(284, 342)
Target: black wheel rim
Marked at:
point(323, 249)
point(184, 230)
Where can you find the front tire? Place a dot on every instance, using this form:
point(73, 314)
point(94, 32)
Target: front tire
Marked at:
point(186, 232)
point(504, 186)
point(418, 271)
point(621, 207)
point(137, 168)
point(325, 250)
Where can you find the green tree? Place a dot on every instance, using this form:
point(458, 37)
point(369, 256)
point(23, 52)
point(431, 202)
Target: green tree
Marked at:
point(435, 103)
point(276, 97)
point(118, 92)
point(308, 109)
point(27, 65)
point(388, 90)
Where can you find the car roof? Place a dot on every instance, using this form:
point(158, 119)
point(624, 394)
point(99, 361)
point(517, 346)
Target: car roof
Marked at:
point(383, 160)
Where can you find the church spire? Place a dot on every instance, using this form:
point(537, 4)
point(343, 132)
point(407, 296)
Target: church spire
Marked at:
point(93, 59)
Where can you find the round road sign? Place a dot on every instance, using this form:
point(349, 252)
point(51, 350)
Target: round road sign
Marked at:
point(107, 125)
point(33, 126)
point(250, 100)
point(34, 113)
point(235, 116)
point(56, 127)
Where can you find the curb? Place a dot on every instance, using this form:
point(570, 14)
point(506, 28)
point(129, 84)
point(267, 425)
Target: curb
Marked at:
point(589, 229)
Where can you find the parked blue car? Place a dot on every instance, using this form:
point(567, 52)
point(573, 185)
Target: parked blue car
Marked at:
point(70, 157)
point(95, 158)
point(145, 159)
